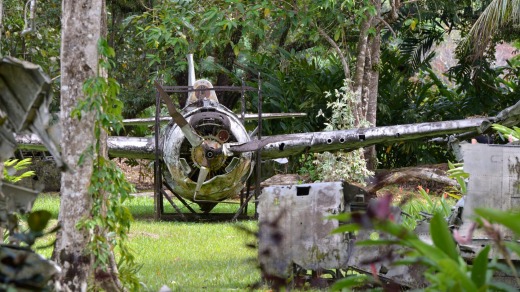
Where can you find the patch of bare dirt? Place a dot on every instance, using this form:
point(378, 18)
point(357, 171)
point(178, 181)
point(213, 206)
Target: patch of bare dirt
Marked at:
point(139, 172)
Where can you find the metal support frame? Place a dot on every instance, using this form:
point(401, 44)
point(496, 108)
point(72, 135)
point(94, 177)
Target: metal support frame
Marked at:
point(159, 184)
point(258, 153)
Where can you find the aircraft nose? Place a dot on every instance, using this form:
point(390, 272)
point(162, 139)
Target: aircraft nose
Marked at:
point(209, 154)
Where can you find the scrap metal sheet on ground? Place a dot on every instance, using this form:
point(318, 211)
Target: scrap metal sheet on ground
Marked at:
point(494, 177)
point(294, 227)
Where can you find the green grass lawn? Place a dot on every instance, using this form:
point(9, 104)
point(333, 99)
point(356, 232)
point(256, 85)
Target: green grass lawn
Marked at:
point(194, 256)
point(183, 256)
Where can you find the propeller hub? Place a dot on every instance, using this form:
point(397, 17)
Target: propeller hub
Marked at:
point(208, 154)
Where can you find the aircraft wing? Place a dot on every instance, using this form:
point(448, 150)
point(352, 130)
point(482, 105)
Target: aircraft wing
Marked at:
point(285, 145)
point(247, 117)
point(128, 147)
point(292, 144)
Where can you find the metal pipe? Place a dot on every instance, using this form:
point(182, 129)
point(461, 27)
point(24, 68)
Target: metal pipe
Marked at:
point(157, 197)
point(258, 152)
point(191, 70)
point(243, 101)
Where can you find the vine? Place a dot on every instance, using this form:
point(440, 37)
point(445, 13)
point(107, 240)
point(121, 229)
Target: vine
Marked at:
point(342, 165)
point(109, 220)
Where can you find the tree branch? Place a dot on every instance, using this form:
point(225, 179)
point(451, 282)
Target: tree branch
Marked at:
point(387, 25)
point(346, 69)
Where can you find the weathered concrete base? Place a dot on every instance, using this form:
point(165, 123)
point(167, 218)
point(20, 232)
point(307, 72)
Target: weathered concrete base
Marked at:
point(298, 214)
point(296, 229)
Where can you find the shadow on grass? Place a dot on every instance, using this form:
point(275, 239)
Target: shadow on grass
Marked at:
point(142, 208)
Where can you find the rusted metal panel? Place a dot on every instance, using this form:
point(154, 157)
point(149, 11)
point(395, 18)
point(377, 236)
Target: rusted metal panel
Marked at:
point(23, 88)
point(18, 198)
point(7, 143)
point(25, 96)
point(510, 116)
point(378, 258)
point(299, 213)
point(295, 229)
point(494, 182)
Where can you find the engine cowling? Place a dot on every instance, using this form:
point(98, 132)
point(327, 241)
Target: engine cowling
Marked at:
point(227, 175)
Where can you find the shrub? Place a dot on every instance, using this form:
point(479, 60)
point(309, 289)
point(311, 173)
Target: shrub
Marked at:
point(12, 167)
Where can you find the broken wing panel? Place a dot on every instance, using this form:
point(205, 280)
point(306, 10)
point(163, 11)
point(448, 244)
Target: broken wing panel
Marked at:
point(127, 147)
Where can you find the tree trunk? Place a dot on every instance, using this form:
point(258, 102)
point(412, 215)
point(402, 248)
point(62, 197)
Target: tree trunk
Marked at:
point(359, 75)
point(81, 31)
point(367, 76)
point(436, 174)
point(1, 23)
point(370, 98)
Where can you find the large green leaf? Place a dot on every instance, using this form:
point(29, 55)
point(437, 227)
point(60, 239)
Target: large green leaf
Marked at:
point(350, 282)
point(508, 219)
point(442, 237)
point(480, 267)
point(454, 271)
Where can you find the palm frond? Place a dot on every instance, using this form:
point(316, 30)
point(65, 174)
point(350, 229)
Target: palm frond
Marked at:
point(497, 14)
point(416, 50)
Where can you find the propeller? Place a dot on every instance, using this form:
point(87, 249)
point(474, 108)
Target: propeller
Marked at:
point(230, 149)
point(207, 156)
point(206, 153)
point(186, 128)
point(203, 173)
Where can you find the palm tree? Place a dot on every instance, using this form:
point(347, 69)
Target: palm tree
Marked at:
point(498, 14)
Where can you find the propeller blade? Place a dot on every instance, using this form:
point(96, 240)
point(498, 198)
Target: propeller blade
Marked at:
point(230, 148)
point(186, 128)
point(203, 173)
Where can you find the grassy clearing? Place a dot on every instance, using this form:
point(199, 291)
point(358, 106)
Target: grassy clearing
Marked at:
point(183, 256)
point(203, 256)
point(142, 207)
point(193, 256)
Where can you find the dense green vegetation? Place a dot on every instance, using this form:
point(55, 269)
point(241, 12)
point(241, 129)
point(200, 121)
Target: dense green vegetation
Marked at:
point(301, 50)
point(381, 52)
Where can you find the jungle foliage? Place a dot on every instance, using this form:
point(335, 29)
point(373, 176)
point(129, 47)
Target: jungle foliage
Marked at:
point(299, 50)
point(444, 267)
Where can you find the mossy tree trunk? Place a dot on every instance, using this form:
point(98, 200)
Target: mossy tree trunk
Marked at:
point(81, 30)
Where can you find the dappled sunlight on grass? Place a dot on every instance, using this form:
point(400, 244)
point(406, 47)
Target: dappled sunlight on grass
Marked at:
point(49, 202)
point(187, 256)
point(183, 256)
point(142, 207)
